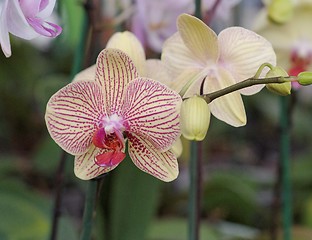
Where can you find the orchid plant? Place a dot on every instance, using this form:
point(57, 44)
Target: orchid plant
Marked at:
point(93, 120)
point(25, 19)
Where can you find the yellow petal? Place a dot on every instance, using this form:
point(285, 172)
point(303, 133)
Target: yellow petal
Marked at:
point(228, 108)
point(198, 38)
point(128, 43)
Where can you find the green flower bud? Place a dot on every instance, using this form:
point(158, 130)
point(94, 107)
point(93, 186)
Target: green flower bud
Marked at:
point(280, 11)
point(305, 78)
point(282, 89)
point(195, 118)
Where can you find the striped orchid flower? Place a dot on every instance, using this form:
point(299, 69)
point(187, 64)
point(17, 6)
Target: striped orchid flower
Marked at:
point(94, 119)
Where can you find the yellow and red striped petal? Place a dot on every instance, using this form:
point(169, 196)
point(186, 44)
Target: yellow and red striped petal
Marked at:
point(162, 165)
point(152, 111)
point(114, 71)
point(72, 113)
point(85, 166)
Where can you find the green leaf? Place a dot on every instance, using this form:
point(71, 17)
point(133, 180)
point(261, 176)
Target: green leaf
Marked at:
point(176, 229)
point(24, 214)
point(133, 202)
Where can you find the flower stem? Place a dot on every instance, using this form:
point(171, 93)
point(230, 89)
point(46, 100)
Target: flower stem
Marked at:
point(244, 84)
point(285, 167)
point(195, 192)
point(89, 210)
point(58, 195)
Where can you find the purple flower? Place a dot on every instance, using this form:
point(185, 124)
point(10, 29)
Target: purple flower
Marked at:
point(26, 19)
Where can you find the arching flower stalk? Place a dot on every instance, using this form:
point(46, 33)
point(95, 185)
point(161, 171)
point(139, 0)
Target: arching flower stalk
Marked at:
point(95, 119)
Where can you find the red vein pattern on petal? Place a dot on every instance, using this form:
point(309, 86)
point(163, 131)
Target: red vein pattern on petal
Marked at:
point(85, 167)
point(152, 111)
point(114, 70)
point(72, 113)
point(162, 165)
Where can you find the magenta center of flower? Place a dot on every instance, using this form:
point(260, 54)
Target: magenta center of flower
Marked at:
point(109, 136)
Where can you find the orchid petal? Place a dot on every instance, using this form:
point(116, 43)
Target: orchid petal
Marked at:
point(17, 23)
point(199, 38)
point(46, 8)
point(72, 114)
point(152, 111)
point(128, 43)
point(30, 8)
point(190, 80)
point(228, 108)
point(243, 52)
point(114, 71)
point(87, 74)
point(177, 57)
point(156, 69)
point(4, 32)
point(85, 167)
point(162, 165)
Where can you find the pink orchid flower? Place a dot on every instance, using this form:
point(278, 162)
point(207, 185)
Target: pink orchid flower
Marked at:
point(93, 120)
point(25, 19)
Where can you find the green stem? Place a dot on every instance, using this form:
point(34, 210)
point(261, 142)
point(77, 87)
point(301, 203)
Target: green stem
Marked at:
point(285, 168)
point(89, 210)
point(194, 197)
point(258, 73)
point(244, 84)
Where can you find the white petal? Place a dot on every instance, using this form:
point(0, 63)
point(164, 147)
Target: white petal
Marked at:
point(4, 32)
point(162, 165)
point(152, 111)
point(87, 74)
point(228, 108)
point(242, 52)
point(128, 43)
point(72, 114)
point(157, 70)
point(114, 71)
point(85, 167)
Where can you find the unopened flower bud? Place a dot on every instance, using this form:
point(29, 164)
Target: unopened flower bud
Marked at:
point(305, 78)
point(282, 89)
point(280, 11)
point(195, 118)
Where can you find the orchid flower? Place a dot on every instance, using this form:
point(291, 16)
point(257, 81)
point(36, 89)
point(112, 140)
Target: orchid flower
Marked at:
point(94, 119)
point(154, 21)
point(25, 19)
point(195, 55)
point(292, 40)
